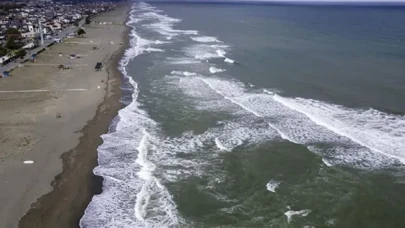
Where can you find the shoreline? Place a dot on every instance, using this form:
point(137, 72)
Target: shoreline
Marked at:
point(73, 189)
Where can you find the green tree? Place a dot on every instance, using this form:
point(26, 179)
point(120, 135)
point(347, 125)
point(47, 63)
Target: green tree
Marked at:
point(13, 32)
point(87, 20)
point(3, 51)
point(11, 44)
point(81, 32)
point(11, 54)
point(21, 53)
point(12, 35)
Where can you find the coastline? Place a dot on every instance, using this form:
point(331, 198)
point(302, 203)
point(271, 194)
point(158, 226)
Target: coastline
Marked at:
point(78, 190)
point(84, 155)
point(75, 185)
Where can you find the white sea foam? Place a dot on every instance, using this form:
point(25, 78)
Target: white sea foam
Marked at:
point(205, 39)
point(182, 61)
point(219, 46)
point(220, 52)
point(219, 144)
point(272, 185)
point(150, 49)
point(214, 70)
point(379, 132)
point(326, 162)
point(227, 60)
point(301, 213)
point(128, 201)
point(185, 73)
point(205, 56)
point(163, 24)
point(161, 42)
point(288, 117)
point(331, 222)
point(204, 51)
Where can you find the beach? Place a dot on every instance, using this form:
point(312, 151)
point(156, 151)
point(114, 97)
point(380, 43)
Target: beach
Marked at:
point(50, 125)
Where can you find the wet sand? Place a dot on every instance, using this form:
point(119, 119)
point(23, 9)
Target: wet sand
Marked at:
point(55, 118)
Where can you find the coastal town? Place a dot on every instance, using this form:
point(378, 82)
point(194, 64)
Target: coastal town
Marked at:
point(27, 27)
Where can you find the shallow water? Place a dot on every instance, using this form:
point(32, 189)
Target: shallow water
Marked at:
point(257, 116)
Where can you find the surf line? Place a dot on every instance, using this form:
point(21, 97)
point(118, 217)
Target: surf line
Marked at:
point(231, 100)
point(284, 136)
point(284, 102)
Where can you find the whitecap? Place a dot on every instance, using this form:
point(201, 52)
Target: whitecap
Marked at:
point(220, 145)
point(272, 185)
point(327, 162)
point(205, 39)
point(214, 70)
point(220, 52)
point(227, 60)
point(185, 73)
point(302, 213)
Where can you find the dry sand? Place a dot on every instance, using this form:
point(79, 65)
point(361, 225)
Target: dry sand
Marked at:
point(31, 130)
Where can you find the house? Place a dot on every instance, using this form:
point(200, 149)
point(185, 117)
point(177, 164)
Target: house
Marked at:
point(30, 27)
point(29, 46)
point(30, 34)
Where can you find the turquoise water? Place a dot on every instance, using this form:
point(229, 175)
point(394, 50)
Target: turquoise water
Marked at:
point(257, 116)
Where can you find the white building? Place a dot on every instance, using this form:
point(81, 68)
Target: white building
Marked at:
point(4, 58)
point(30, 27)
point(30, 34)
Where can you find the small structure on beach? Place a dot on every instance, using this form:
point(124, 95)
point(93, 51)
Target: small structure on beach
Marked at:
point(63, 67)
point(98, 66)
point(6, 73)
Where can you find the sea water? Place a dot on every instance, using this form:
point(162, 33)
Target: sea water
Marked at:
point(257, 116)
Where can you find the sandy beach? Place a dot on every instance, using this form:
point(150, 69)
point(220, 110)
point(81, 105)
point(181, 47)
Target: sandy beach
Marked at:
point(50, 126)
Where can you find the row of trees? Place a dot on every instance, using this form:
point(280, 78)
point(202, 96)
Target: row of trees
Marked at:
point(13, 45)
point(14, 39)
point(20, 53)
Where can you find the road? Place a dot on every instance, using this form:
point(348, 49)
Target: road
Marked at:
point(62, 34)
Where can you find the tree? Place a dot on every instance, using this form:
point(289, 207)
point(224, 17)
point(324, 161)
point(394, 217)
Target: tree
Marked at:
point(10, 54)
point(13, 32)
point(12, 35)
point(87, 20)
point(21, 53)
point(81, 32)
point(11, 44)
point(3, 51)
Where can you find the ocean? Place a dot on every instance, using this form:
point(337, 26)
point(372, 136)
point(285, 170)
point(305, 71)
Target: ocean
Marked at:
point(243, 115)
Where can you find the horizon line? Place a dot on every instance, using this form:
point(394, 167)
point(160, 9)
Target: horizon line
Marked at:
point(293, 2)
